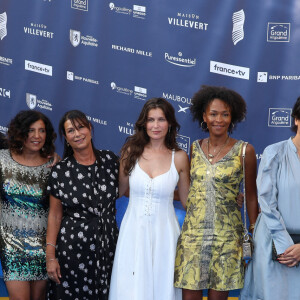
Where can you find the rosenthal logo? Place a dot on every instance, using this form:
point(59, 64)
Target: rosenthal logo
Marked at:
point(4, 93)
point(183, 143)
point(31, 100)
point(38, 68)
point(180, 61)
point(278, 32)
point(80, 4)
point(75, 37)
point(3, 22)
point(238, 19)
point(229, 70)
point(279, 117)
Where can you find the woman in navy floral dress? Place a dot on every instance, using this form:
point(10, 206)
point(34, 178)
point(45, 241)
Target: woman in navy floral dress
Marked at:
point(82, 230)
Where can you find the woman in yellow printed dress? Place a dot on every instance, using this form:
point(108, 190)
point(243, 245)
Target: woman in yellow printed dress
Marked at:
point(209, 249)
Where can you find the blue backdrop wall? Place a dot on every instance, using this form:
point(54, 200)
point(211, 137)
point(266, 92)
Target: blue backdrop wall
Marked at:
point(107, 57)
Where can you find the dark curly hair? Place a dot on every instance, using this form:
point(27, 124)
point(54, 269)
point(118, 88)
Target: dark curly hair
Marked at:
point(296, 114)
point(3, 141)
point(19, 127)
point(207, 94)
point(135, 144)
point(80, 117)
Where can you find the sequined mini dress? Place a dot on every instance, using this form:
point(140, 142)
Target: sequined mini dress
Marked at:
point(23, 219)
point(209, 249)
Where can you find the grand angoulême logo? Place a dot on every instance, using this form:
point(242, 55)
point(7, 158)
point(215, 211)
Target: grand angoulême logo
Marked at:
point(3, 22)
point(238, 19)
point(75, 37)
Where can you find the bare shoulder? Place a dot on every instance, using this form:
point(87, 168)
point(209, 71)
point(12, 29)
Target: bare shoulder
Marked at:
point(250, 150)
point(181, 159)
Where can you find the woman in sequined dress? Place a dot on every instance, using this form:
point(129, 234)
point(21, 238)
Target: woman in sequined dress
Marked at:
point(82, 230)
point(24, 170)
point(152, 166)
point(209, 249)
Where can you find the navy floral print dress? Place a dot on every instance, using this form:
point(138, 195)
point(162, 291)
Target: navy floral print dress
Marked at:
point(88, 234)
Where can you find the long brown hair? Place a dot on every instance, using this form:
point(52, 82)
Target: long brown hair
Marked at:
point(135, 144)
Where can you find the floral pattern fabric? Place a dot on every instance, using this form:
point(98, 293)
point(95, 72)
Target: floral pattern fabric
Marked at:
point(88, 235)
point(209, 249)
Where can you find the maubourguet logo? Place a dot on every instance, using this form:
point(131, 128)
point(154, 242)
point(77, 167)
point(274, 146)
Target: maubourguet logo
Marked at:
point(38, 68)
point(229, 70)
point(80, 4)
point(278, 32)
point(279, 117)
point(238, 19)
point(183, 142)
point(180, 60)
point(3, 23)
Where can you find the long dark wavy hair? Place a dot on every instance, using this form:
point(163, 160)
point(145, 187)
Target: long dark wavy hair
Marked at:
point(18, 132)
point(296, 114)
point(135, 144)
point(73, 116)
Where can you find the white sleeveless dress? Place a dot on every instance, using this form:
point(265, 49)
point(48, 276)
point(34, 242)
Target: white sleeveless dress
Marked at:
point(144, 261)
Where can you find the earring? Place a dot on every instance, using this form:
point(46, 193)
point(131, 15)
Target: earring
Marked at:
point(169, 129)
point(43, 149)
point(205, 124)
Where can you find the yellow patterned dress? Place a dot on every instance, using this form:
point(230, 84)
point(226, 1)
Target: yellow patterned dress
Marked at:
point(209, 249)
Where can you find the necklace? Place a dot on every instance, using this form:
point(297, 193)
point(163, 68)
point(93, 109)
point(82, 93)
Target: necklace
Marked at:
point(211, 156)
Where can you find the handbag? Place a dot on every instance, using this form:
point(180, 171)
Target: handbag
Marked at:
point(296, 240)
point(247, 239)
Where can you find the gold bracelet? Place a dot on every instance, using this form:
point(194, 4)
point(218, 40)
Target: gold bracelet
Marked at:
point(251, 227)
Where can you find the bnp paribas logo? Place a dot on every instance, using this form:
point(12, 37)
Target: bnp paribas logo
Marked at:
point(238, 20)
point(3, 23)
point(75, 37)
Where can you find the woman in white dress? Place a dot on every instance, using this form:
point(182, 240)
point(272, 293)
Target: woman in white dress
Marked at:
point(151, 166)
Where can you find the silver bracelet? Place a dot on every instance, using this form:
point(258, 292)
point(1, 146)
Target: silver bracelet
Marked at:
point(49, 244)
point(51, 259)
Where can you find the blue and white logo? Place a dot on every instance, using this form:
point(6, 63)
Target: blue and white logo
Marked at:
point(279, 117)
point(3, 23)
point(278, 32)
point(183, 143)
point(238, 19)
point(80, 4)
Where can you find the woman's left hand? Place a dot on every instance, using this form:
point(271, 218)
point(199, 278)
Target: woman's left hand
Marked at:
point(291, 256)
point(56, 159)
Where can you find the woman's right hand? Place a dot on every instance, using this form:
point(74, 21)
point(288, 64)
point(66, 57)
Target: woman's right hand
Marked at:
point(53, 270)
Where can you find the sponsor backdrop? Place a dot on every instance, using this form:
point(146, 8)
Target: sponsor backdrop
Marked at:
point(107, 58)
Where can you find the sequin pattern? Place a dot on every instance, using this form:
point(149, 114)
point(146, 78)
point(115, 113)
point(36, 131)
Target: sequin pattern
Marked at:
point(23, 219)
